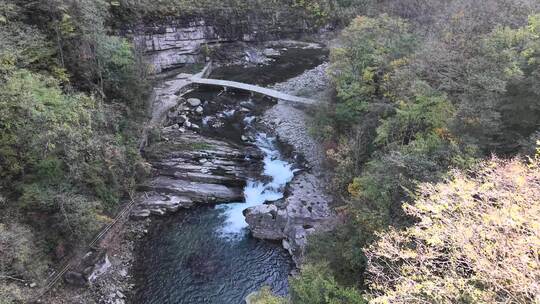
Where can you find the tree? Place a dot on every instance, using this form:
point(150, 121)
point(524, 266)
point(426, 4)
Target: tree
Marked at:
point(476, 240)
point(39, 122)
point(315, 285)
point(367, 51)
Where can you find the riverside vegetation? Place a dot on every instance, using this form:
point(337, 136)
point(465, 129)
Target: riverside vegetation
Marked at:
point(432, 134)
point(72, 100)
point(426, 93)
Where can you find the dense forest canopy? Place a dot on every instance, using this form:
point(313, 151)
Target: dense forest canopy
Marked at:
point(426, 91)
point(425, 88)
point(72, 99)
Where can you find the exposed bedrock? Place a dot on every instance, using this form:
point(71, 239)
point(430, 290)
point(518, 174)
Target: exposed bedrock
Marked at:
point(176, 42)
point(304, 211)
point(306, 208)
point(190, 168)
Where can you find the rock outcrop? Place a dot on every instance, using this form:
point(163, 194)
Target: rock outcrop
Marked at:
point(173, 43)
point(306, 208)
point(190, 168)
point(304, 211)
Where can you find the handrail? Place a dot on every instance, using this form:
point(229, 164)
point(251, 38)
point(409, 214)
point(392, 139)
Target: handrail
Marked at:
point(66, 265)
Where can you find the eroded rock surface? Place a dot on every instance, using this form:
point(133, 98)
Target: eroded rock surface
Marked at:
point(306, 208)
point(193, 169)
point(178, 42)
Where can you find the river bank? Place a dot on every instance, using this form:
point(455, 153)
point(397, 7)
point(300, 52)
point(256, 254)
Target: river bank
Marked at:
point(306, 206)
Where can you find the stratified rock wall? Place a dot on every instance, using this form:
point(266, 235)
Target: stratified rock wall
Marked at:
point(172, 43)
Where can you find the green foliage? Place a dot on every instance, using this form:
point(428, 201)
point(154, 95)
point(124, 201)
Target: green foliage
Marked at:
point(123, 79)
point(39, 121)
point(408, 110)
point(265, 296)
point(316, 286)
point(428, 113)
point(341, 249)
point(20, 256)
point(369, 49)
point(24, 46)
point(314, 9)
point(71, 103)
point(317, 13)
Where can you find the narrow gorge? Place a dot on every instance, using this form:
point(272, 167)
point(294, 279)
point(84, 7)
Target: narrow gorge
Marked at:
point(220, 158)
point(236, 181)
point(269, 151)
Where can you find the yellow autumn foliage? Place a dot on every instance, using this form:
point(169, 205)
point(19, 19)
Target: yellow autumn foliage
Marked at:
point(477, 240)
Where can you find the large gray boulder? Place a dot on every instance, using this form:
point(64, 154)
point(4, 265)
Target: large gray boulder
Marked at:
point(75, 278)
point(194, 102)
point(303, 212)
point(265, 222)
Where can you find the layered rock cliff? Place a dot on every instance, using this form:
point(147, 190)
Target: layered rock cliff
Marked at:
point(170, 44)
point(306, 208)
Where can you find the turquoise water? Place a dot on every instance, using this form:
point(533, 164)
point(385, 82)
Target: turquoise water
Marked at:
point(206, 255)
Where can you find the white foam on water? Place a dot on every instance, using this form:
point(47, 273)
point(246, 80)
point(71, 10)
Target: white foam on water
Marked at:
point(206, 119)
point(257, 192)
point(248, 120)
point(229, 113)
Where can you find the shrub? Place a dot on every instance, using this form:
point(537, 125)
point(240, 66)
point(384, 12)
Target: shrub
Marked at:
point(365, 56)
point(19, 256)
point(264, 296)
point(315, 285)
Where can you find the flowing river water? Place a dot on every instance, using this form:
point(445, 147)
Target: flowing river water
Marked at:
point(206, 254)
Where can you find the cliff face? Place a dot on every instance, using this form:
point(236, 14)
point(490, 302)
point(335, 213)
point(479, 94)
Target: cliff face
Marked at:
point(172, 43)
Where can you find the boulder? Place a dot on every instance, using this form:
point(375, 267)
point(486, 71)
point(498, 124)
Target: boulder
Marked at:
point(269, 52)
point(304, 211)
point(265, 222)
point(102, 267)
point(194, 102)
point(140, 214)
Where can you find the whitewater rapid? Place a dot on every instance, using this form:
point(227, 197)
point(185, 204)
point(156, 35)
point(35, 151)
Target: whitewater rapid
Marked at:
point(277, 173)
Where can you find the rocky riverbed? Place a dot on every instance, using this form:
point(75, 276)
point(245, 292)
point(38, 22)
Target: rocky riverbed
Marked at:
point(206, 153)
point(306, 206)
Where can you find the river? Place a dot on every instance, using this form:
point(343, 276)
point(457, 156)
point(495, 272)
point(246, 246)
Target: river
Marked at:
point(206, 254)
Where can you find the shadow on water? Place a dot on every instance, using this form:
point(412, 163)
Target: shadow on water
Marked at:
point(206, 255)
point(291, 63)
